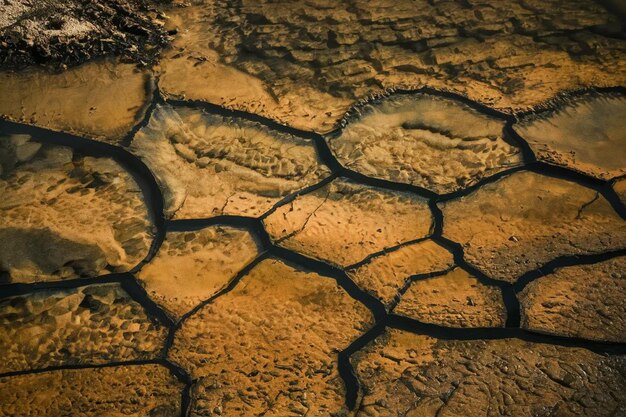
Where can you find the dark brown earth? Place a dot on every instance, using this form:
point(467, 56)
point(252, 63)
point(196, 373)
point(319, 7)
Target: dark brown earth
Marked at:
point(62, 33)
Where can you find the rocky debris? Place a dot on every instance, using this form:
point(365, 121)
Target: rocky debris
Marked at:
point(304, 64)
point(426, 377)
point(209, 165)
point(584, 133)
point(520, 222)
point(383, 276)
point(192, 266)
point(270, 345)
point(138, 390)
point(430, 141)
point(456, 299)
point(343, 222)
point(584, 301)
point(63, 33)
point(99, 100)
point(87, 325)
point(66, 216)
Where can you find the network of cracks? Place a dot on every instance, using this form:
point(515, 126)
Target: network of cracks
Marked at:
point(287, 253)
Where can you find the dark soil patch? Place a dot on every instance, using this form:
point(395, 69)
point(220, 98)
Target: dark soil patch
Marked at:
point(63, 33)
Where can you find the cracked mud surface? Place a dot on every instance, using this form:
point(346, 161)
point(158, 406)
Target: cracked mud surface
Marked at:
point(67, 216)
point(341, 222)
point(209, 165)
point(527, 219)
point(425, 140)
point(385, 275)
point(268, 346)
point(193, 266)
point(584, 301)
point(390, 208)
point(417, 375)
point(455, 299)
point(95, 324)
point(148, 390)
point(581, 135)
point(304, 64)
point(98, 100)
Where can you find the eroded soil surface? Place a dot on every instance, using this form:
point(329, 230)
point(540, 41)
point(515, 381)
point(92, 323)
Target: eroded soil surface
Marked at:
point(390, 208)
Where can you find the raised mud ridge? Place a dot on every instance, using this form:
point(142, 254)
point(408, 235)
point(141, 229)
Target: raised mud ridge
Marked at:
point(271, 248)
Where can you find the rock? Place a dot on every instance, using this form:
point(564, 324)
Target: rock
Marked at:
point(87, 325)
point(549, 218)
point(99, 100)
point(433, 142)
point(146, 390)
point(584, 133)
point(427, 377)
point(192, 266)
point(209, 165)
point(271, 344)
point(584, 301)
point(383, 276)
point(343, 222)
point(456, 299)
point(66, 216)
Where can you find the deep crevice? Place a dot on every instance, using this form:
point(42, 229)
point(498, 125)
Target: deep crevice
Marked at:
point(346, 369)
point(493, 333)
point(562, 262)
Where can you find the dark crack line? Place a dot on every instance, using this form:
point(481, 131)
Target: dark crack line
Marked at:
point(414, 278)
point(510, 300)
point(604, 188)
point(144, 114)
point(561, 99)
point(562, 262)
point(497, 333)
point(346, 369)
point(179, 373)
point(240, 114)
point(587, 204)
point(127, 281)
point(322, 268)
point(375, 306)
point(229, 287)
point(385, 251)
point(306, 221)
point(292, 197)
point(251, 224)
point(337, 169)
point(18, 288)
point(354, 111)
point(512, 137)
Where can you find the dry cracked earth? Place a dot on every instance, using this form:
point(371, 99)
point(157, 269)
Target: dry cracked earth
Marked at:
point(393, 208)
